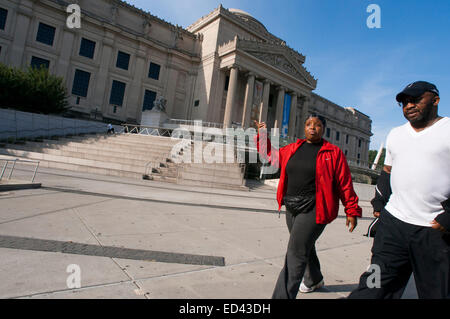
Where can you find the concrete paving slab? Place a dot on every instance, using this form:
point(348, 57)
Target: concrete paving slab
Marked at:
point(16, 206)
point(140, 270)
point(111, 291)
point(25, 273)
point(110, 211)
point(252, 280)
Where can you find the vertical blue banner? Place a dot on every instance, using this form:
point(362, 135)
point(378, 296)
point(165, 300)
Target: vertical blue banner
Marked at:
point(286, 111)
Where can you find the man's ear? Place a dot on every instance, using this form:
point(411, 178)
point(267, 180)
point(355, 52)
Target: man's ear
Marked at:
point(436, 100)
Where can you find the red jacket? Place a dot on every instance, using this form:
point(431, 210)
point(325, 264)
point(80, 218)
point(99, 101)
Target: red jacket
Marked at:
point(333, 178)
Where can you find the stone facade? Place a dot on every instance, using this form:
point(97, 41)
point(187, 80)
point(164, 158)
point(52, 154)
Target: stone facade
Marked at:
point(116, 28)
point(346, 127)
point(226, 68)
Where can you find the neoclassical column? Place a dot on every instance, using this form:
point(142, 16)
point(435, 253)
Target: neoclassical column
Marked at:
point(292, 115)
point(248, 101)
point(265, 102)
point(231, 96)
point(101, 83)
point(63, 63)
point(134, 105)
point(280, 104)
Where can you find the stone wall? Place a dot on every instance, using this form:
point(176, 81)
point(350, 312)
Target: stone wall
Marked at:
point(17, 125)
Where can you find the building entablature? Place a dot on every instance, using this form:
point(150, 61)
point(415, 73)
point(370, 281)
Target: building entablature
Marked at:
point(267, 60)
point(238, 17)
point(108, 20)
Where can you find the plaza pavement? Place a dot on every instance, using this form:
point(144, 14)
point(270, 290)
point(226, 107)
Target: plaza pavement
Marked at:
point(145, 239)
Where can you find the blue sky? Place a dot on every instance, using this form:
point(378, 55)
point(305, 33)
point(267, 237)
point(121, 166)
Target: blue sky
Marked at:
point(355, 66)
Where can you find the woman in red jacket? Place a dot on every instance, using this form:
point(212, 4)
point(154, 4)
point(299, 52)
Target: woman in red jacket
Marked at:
point(314, 176)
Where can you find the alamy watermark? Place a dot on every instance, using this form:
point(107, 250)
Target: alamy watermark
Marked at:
point(74, 19)
point(230, 145)
point(374, 280)
point(74, 279)
point(374, 20)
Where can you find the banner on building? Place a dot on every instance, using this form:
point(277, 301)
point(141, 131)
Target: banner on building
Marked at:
point(286, 113)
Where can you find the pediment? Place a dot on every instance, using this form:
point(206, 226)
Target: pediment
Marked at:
point(281, 58)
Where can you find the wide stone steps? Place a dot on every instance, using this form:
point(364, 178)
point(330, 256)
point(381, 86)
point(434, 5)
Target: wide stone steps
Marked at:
point(128, 155)
point(92, 154)
point(106, 145)
point(77, 167)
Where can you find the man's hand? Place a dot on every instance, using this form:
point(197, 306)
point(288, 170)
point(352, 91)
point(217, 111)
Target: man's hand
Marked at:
point(436, 225)
point(352, 221)
point(376, 214)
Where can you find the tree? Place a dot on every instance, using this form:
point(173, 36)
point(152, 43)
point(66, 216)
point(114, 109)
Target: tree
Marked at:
point(373, 154)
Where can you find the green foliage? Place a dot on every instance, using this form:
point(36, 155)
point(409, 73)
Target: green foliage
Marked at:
point(32, 90)
point(373, 154)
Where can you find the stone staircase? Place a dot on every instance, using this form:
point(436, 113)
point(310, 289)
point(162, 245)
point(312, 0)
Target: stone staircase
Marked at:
point(133, 156)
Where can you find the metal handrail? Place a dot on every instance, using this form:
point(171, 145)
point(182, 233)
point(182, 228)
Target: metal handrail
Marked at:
point(14, 165)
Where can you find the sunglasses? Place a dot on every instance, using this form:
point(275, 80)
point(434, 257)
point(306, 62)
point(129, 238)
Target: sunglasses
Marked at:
point(409, 99)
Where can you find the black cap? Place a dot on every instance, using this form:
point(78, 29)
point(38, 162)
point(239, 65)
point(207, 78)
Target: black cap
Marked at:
point(416, 89)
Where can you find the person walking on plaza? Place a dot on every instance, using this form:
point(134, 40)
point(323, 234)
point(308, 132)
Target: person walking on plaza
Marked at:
point(314, 176)
point(413, 228)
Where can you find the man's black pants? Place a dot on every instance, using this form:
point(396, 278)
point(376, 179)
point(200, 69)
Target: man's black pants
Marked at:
point(301, 260)
point(400, 249)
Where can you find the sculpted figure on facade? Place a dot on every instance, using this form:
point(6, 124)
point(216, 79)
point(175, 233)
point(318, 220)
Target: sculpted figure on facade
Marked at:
point(147, 28)
point(114, 13)
point(160, 104)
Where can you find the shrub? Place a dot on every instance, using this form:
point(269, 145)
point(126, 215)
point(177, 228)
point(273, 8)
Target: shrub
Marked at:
point(32, 90)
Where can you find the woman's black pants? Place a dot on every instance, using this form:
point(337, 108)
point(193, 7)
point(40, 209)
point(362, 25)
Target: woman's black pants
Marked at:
point(301, 260)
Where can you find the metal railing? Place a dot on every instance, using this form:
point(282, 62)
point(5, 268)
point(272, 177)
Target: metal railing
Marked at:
point(238, 148)
point(193, 122)
point(14, 161)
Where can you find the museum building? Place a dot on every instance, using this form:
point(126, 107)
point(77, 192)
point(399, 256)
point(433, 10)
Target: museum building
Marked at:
point(226, 69)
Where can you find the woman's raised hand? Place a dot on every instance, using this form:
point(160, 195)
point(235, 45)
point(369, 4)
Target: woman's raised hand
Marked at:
point(260, 125)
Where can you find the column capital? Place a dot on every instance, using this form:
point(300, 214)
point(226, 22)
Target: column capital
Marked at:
point(250, 73)
point(267, 81)
point(281, 88)
point(234, 66)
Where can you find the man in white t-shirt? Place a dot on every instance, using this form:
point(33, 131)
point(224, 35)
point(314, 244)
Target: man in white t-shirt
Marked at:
point(413, 232)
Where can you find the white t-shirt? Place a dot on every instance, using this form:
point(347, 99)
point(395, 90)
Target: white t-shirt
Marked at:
point(420, 176)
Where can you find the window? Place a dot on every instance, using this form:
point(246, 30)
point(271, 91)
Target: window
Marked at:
point(197, 103)
point(346, 152)
point(149, 98)
point(123, 60)
point(81, 83)
point(153, 72)
point(117, 93)
point(46, 34)
point(328, 132)
point(337, 135)
point(359, 143)
point(346, 139)
point(3, 15)
point(38, 63)
point(87, 48)
point(359, 157)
